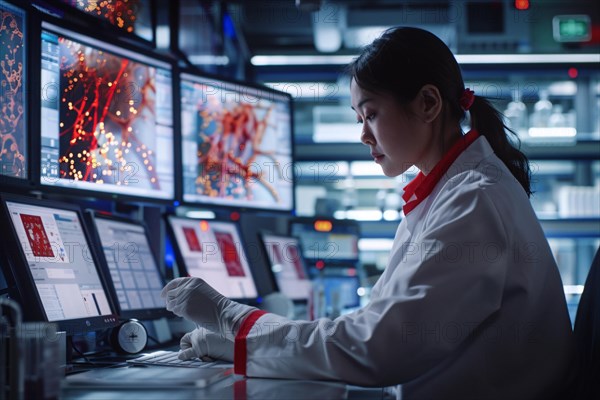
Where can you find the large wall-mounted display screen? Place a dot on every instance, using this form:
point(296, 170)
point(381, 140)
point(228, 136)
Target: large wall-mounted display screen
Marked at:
point(131, 16)
point(107, 117)
point(236, 145)
point(13, 89)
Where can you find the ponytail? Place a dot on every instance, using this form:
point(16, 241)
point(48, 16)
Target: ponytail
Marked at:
point(488, 122)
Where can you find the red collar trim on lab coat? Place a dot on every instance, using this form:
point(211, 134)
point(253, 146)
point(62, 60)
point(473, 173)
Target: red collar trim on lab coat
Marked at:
point(423, 185)
point(240, 350)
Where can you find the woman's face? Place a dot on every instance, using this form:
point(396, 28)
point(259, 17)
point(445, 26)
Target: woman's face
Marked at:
point(397, 138)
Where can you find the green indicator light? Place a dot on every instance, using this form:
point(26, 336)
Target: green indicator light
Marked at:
point(571, 28)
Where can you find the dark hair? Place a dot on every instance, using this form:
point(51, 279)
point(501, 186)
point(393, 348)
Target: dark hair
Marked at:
point(402, 60)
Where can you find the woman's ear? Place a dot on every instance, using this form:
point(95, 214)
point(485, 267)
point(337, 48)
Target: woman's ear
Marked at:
point(429, 103)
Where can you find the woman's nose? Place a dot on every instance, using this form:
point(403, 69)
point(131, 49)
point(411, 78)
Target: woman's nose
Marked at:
point(366, 137)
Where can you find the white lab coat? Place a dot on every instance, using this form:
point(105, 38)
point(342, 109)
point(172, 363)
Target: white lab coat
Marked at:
point(471, 304)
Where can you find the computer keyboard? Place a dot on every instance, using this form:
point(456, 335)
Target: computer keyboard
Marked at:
point(170, 359)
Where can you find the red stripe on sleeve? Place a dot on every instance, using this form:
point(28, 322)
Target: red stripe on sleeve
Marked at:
point(240, 391)
point(240, 350)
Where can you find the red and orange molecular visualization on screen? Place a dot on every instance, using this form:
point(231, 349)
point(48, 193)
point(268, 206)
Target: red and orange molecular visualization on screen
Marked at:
point(229, 144)
point(107, 117)
point(12, 128)
point(120, 13)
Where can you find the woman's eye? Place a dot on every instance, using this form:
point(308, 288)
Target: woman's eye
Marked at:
point(359, 121)
point(370, 117)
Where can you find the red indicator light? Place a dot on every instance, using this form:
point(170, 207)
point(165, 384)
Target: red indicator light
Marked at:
point(573, 73)
point(522, 4)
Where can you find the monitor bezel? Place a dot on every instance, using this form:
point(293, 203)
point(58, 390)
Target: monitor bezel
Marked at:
point(264, 251)
point(22, 283)
point(179, 259)
point(91, 217)
point(246, 85)
point(50, 24)
point(28, 181)
point(343, 222)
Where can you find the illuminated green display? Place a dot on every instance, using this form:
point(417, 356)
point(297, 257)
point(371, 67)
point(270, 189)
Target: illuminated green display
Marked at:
point(571, 28)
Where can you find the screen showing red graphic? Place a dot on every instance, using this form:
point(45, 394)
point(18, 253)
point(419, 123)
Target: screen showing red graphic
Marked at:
point(229, 254)
point(236, 144)
point(36, 234)
point(192, 239)
point(13, 89)
point(222, 261)
point(108, 117)
point(287, 264)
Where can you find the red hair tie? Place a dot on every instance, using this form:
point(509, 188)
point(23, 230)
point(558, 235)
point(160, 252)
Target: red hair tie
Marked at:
point(466, 99)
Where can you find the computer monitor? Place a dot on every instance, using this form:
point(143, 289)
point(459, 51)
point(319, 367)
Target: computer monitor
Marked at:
point(55, 268)
point(131, 268)
point(127, 16)
point(287, 265)
point(341, 291)
point(237, 144)
point(332, 242)
point(213, 250)
point(14, 111)
point(107, 118)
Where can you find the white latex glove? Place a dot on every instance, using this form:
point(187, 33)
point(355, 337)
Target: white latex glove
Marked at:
point(197, 301)
point(202, 343)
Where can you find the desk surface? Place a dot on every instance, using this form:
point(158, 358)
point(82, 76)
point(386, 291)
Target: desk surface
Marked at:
point(236, 388)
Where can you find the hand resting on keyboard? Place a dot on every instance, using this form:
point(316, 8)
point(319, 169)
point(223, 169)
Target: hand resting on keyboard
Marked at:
point(201, 343)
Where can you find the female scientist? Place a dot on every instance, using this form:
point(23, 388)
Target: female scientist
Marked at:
point(471, 303)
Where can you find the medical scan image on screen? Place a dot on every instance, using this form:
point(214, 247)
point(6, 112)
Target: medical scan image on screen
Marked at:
point(236, 145)
point(108, 118)
point(287, 265)
point(133, 270)
point(64, 272)
point(213, 251)
point(13, 108)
